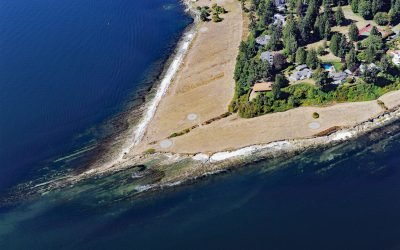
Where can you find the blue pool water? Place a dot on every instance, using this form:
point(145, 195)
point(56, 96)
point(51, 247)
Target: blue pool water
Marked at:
point(327, 66)
point(67, 66)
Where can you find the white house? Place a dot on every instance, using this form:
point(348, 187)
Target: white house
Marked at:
point(279, 19)
point(370, 66)
point(280, 4)
point(396, 57)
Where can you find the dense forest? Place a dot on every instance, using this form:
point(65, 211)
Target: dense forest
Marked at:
point(315, 22)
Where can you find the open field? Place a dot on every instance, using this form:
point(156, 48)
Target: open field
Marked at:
point(234, 132)
point(204, 87)
point(354, 18)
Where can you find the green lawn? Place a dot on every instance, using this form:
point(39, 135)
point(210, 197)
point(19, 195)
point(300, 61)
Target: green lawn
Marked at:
point(337, 64)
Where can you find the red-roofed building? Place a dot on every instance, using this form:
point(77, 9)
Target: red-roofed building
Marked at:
point(367, 30)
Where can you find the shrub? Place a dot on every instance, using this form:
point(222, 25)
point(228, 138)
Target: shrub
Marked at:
point(216, 18)
point(315, 115)
point(382, 104)
point(321, 51)
point(149, 151)
point(350, 80)
point(382, 18)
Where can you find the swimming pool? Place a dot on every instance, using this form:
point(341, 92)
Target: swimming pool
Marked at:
point(327, 66)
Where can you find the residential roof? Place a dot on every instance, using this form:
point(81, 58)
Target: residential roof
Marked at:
point(301, 67)
point(395, 52)
point(365, 31)
point(304, 73)
point(338, 74)
point(347, 71)
point(262, 86)
point(267, 56)
point(370, 66)
point(279, 2)
point(338, 77)
point(263, 40)
point(279, 19)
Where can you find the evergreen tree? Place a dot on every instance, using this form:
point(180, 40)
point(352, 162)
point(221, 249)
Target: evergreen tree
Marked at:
point(343, 47)
point(321, 78)
point(312, 12)
point(312, 59)
point(301, 56)
point(276, 91)
point(305, 29)
point(351, 59)
point(290, 41)
point(281, 81)
point(291, 46)
point(354, 5)
point(353, 33)
point(290, 29)
point(327, 30)
point(317, 25)
point(375, 32)
point(370, 75)
point(394, 12)
point(370, 54)
point(335, 43)
point(270, 10)
point(365, 9)
point(376, 6)
point(299, 7)
point(375, 41)
point(328, 12)
point(385, 63)
point(275, 40)
point(339, 16)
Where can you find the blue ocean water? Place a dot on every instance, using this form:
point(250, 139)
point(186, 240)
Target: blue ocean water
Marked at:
point(67, 66)
point(344, 197)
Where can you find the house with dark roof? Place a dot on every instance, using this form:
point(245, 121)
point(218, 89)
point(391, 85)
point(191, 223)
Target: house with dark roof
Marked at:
point(301, 72)
point(338, 77)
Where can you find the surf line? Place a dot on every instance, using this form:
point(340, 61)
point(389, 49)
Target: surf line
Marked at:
point(165, 83)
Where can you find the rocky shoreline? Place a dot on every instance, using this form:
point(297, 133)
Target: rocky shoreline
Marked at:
point(166, 170)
